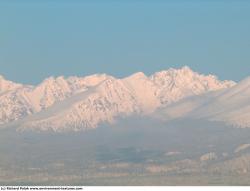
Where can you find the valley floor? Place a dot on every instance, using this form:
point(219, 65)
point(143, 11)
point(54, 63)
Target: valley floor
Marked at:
point(140, 153)
point(140, 180)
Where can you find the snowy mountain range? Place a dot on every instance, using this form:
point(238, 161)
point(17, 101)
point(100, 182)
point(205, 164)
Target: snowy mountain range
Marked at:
point(79, 103)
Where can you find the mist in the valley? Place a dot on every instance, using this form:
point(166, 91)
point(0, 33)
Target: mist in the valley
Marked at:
point(137, 143)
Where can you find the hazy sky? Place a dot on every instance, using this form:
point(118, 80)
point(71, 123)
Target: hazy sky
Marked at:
point(69, 37)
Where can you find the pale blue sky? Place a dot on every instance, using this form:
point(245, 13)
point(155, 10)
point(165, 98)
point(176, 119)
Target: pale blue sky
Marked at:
point(69, 37)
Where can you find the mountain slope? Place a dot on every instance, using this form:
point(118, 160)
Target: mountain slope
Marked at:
point(6, 85)
point(231, 106)
point(86, 110)
point(144, 91)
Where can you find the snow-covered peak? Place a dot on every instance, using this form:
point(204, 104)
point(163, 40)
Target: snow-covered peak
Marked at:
point(175, 84)
point(186, 77)
point(186, 68)
point(183, 70)
point(144, 91)
point(136, 76)
point(50, 79)
point(95, 79)
point(6, 85)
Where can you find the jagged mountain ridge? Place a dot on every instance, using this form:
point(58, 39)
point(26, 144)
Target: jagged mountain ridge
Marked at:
point(85, 102)
point(26, 99)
